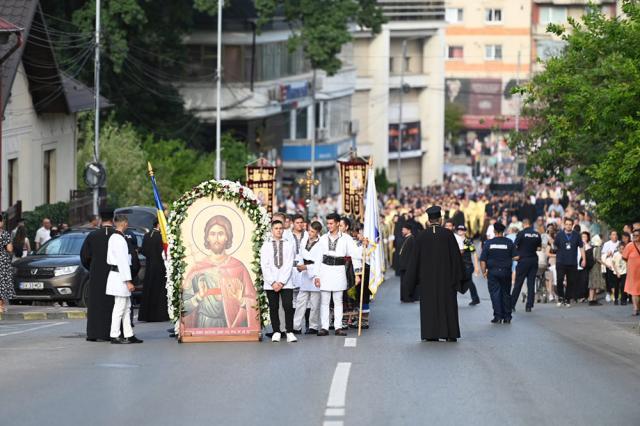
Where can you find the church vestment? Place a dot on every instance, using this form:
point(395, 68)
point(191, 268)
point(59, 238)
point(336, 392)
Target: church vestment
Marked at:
point(435, 274)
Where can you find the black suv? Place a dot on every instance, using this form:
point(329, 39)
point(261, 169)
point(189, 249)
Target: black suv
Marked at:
point(54, 272)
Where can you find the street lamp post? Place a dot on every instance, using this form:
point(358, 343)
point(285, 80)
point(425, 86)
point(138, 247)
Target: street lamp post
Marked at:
point(218, 90)
point(96, 129)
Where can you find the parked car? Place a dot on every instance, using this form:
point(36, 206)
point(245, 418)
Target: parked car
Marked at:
point(141, 217)
point(55, 273)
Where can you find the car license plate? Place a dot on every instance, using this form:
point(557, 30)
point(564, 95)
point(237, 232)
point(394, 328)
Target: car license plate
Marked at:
point(32, 286)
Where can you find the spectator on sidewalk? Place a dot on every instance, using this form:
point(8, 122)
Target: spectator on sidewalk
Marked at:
point(44, 233)
point(631, 255)
point(20, 242)
point(6, 280)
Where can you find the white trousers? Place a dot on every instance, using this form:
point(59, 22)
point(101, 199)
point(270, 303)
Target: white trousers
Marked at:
point(311, 300)
point(325, 300)
point(121, 314)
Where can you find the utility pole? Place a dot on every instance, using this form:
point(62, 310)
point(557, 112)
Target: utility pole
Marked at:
point(218, 90)
point(400, 124)
point(96, 130)
point(312, 187)
point(518, 104)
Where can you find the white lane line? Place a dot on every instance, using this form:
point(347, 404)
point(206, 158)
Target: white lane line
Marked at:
point(334, 412)
point(350, 342)
point(333, 423)
point(338, 390)
point(32, 329)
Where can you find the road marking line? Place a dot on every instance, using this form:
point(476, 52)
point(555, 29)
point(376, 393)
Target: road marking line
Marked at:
point(32, 329)
point(334, 412)
point(333, 423)
point(338, 390)
point(350, 342)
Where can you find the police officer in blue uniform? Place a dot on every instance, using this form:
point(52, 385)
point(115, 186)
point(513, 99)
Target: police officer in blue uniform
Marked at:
point(528, 242)
point(495, 261)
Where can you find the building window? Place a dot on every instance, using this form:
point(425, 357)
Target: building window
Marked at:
point(553, 15)
point(493, 15)
point(391, 64)
point(49, 165)
point(13, 181)
point(301, 123)
point(455, 52)
point(454, 15)
point(547, 49)
point(493, 52)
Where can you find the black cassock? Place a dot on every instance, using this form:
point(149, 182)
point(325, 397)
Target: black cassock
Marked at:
point(154, 293)
point(435, 274)
point(406, 252)
point(93, 256)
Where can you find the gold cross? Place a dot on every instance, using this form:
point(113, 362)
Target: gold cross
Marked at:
point(308, 181)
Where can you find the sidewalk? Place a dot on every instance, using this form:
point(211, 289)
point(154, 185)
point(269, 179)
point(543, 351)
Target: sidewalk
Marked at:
point(31, 313)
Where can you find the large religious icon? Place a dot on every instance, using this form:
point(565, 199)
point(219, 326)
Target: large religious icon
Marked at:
point(353, 179)
point(218, 293)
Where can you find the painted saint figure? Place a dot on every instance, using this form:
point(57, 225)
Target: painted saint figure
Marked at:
point(218, 292)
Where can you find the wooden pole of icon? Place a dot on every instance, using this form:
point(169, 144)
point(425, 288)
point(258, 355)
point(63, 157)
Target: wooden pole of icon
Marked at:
point(364, 262)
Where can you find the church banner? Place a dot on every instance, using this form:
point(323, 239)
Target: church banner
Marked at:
point(215, 283)
point(261, 178)
point(353, 176)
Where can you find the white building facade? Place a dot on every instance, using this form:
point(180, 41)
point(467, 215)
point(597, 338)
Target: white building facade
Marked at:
point(377, 103)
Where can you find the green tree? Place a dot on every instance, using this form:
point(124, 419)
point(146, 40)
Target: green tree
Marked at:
point(453, 119)
point(235, 156)
point(382, 183)
point(124, 160)
point(584, 109)
point(322, 27)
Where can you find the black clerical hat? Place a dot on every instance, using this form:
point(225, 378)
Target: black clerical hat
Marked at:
point(499, 227)
point(434, 212)
point(106, 213)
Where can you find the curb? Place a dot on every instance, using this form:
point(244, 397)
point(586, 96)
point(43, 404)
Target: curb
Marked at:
point(39, 316)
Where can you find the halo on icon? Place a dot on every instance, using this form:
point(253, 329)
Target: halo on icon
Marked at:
point(202, 217)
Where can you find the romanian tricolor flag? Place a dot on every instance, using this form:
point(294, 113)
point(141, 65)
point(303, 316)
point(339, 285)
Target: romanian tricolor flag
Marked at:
point(162, 221)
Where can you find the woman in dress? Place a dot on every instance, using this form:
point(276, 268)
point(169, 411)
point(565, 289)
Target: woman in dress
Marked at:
point(596, 275)
point(6, 281)
point(631, 255)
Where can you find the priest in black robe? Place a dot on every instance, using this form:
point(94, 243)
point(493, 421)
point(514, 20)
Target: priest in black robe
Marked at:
point(154, 292)
point(406, 252)
point(435, 271)
point(93, 256)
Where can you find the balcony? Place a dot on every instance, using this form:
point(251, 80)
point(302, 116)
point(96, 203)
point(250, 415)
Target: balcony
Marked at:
point(413, 10)
point(414, 81)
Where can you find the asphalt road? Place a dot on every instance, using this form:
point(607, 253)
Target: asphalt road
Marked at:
point(575, 366)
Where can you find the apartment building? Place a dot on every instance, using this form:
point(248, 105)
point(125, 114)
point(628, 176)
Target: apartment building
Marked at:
point(408, 50)
point(488, 50)
point(545, 12)
point(267, 94)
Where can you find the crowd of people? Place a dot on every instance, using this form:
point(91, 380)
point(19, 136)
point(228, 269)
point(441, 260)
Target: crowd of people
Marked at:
point(578, 260)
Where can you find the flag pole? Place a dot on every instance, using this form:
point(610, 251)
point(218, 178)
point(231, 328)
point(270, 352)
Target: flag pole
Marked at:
point(364, 262)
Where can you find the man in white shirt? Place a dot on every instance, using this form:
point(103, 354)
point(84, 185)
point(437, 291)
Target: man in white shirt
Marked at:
point(299, 237)
point(276, 260)
point(44, 233)
point(331, 276)
point(309, 295)
point(119, 284)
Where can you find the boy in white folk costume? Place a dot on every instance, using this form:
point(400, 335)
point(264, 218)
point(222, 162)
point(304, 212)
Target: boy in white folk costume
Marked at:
point(276, 261)
point(119, 284)
point(330, 276)
point(309, 295)
point(298, 237)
